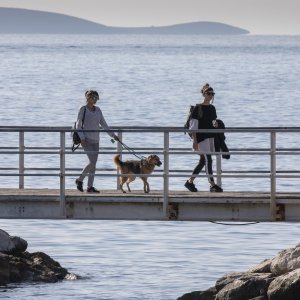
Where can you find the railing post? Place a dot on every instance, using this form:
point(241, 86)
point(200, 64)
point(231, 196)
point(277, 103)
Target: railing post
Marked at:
point(119, 149)
point(273, 176)
point(166, 173)
point(219, 169)
point(21, 159)
point(62, 174)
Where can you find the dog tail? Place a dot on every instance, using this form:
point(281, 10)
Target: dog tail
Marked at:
point(117, 161)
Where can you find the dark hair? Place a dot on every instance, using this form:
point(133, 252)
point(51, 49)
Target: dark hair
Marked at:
point(206, 88)
point(91, 93)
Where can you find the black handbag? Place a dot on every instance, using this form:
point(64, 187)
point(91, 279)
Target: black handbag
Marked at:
point(75, 136)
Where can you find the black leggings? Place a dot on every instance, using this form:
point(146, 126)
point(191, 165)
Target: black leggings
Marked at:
point(205, 160)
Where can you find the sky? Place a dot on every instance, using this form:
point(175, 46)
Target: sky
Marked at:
point(257, 16)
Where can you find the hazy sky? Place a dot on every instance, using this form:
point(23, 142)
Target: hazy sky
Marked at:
point(257, 16)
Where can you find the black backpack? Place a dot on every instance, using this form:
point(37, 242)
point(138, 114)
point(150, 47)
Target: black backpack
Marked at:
point(189, 116)
point(75, 136)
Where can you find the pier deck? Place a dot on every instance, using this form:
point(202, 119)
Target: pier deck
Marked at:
point(114, 205)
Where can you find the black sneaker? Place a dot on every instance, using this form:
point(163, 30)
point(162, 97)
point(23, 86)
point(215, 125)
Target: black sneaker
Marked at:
point(92, 190)
point(190, 186)
point(216, 189)
point(79, 185)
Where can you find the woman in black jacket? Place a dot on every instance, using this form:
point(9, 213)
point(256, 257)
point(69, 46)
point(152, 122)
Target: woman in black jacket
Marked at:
point(204, 117)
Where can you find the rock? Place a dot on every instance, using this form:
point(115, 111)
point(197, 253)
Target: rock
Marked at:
point(227, 279)
point(11, 244)
point(31, 267)
point(19, 266)
point(286, 261)
point(198, 295)
point(272, 279)
point(4, 268)
point(263, 267)
point(285, 287)
point(247, 286)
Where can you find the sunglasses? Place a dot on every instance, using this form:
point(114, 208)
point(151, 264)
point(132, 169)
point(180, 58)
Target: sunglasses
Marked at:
point(93, 96)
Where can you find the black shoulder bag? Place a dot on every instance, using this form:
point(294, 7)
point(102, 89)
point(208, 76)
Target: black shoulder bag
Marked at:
point(75, 136)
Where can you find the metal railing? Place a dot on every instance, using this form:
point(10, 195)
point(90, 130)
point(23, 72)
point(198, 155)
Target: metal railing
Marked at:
point(272, 151)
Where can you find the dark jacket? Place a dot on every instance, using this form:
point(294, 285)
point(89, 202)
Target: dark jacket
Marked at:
point(219, 140)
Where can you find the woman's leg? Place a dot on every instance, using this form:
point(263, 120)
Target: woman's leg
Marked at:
point(93, 161)
point(213, 187)
point(92, 153)
point(190, 183)
point(198, 168)
point(205, 146)
point(208, 146)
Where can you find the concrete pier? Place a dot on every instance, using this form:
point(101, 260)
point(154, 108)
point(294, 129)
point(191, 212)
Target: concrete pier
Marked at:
point(164, 204)
point(114, 205)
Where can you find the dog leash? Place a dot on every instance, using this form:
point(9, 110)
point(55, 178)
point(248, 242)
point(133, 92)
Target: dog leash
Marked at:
point(130, 150)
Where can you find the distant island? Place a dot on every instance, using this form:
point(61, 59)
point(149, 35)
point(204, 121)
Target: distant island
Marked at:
point(24, 21)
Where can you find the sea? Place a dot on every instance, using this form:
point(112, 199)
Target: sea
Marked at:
point(148, 80)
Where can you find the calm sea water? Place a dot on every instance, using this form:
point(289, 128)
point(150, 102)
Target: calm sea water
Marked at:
point(151, 81)
point(121, 260)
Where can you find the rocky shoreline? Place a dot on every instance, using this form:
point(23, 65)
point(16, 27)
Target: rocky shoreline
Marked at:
point(277, 278)
point(18, 265)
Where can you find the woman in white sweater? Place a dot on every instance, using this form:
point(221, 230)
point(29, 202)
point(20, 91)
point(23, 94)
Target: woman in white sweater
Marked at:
point(89, 118)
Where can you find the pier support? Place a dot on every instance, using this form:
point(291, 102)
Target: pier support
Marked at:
point(62, 177)
point(166, 174)
point(273, 208)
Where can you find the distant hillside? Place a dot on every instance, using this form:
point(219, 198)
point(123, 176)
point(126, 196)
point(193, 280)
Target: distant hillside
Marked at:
point(24, 21)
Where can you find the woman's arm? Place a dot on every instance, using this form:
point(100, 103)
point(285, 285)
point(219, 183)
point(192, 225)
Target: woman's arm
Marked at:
point(194, 126)
point(106, 127)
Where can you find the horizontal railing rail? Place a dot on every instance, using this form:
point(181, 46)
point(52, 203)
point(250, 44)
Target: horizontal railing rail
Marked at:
point(164, 149)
